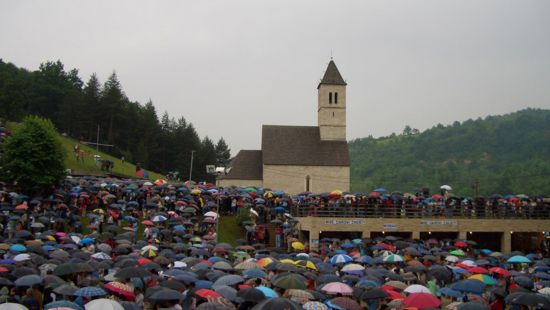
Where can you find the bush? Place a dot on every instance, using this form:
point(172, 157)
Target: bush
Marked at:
point(33, 159)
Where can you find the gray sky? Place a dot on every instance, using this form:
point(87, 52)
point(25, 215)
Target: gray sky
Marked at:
point(231, 66)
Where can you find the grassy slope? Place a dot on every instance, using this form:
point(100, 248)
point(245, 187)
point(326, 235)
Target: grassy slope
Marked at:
point(229, 231)
point(88, 166)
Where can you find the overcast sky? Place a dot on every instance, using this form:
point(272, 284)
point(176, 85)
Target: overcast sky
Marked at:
point(230, 66)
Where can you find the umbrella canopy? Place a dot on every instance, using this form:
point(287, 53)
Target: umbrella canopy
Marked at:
point(103, 304)
point(290, 281)
point(90, 291)
point(334, 288)
point(278, 303)
point(422, 301)
point(28, 280)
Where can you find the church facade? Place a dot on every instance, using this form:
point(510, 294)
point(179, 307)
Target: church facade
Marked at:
point(297, 159)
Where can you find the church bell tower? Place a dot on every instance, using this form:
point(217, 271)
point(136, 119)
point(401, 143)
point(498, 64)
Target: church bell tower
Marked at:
point(331, 108)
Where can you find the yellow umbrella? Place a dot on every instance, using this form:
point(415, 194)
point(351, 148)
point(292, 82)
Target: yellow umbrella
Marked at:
point(306, 264)
point(196, 192)
point(287, 261)
point(297, 245)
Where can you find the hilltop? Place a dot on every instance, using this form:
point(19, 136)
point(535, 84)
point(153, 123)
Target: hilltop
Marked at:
point(501, 154)
point(88, 166)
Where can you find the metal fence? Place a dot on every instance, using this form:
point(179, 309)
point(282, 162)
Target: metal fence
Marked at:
point(538, 211)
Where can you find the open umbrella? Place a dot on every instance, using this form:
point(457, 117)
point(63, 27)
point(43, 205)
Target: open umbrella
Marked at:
point(290, 281)
point(529, 299)
point(90, 291)
point(28, 280)
point(103, 304)
point(278, 303)
point(422, 301)
point(518, 259)
point(335, 288)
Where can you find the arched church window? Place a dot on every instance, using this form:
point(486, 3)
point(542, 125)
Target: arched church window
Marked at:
point(308, 183)
point(335, 98)
point(329, 97)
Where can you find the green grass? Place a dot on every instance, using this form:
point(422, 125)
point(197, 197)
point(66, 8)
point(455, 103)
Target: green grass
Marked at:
point(88, 166)
point(229, 231)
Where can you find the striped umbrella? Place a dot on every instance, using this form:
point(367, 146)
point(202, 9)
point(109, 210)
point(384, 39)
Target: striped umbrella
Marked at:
point(340, 259)
point(90, 291)
point(314, 305)
point(394, 258)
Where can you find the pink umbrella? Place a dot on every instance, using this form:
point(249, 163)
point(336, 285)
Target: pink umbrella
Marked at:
point(337, 288)
point(422, 301)
point(60, 234)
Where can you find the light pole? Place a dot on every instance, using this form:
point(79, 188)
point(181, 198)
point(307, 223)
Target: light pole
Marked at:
point(191, 165)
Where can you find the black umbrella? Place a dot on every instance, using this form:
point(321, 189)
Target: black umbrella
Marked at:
point(65, 269)
point(251, 294)
point(166, 295)
point(278, 303)
point(529, 299)
point(374, 293)
point(472, 305)
point(132, 272)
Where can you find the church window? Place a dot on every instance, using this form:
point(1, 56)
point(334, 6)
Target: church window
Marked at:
point(335, 98)
point(308, 183)
point(332, 114)
point(329, 97)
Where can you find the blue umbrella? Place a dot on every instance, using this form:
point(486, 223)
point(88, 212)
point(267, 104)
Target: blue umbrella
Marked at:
point(380, 190)
point(130, 219)
point(450, 292)
point(87, 241)
point(90, 291)
point(269, 293)
point(518, 259)
point(340, 259)
point(524, 281)
point(203, 284)
point(279, 210)
point(348, 245)
point(365, 260)
point(254, 273)
point(469, 286)
point(18, 248)
point(7, 262)
point(28, 280)
point(63, 304)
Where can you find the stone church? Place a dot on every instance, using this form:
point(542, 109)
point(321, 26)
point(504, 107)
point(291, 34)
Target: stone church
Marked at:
point(295, 159)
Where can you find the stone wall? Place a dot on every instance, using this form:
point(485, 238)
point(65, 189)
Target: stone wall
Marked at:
point(237, 182)
point(292, 179)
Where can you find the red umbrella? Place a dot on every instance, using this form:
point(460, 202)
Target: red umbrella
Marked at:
point(422, 301)
point(205, 293)
point(144, 260)
point(121, 289)
point(478, 270)
point(461, 244)
point(346, 303)
point(148, 223)
point(500, 271)
point(393, 294)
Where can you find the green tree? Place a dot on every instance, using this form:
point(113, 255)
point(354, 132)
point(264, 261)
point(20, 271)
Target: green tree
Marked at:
point(33, 159)
point(223, 153)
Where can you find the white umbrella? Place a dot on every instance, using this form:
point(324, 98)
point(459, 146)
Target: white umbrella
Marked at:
point(149, 247)
point(101, 255)
point(446, 187)
point(253, 212)
point(22, 257)
point(451, 259)
point(417, 288)
point(147, 184)
point(103, 304)
point(211, 214)
point(12, 306)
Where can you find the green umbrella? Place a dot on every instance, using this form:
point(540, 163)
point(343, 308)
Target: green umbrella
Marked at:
point(457, 253)
point(290, 281)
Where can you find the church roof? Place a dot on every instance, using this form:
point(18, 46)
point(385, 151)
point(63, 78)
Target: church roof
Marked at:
point(301, 146)
point(332, 76)
point(247, 165)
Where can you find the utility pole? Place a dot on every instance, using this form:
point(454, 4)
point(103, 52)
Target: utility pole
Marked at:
point(96, 143)
point(476, 188)
point(191, 165)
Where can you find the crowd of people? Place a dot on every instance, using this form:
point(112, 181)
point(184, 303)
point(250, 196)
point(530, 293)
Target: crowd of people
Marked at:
point(102, 243)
